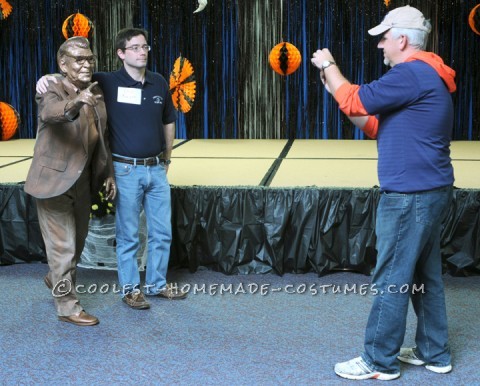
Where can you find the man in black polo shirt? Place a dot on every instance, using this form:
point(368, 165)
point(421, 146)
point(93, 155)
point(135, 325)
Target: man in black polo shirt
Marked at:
point(141, 118)
point(141, 122)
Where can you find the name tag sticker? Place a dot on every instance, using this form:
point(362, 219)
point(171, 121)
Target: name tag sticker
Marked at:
point(131, 96)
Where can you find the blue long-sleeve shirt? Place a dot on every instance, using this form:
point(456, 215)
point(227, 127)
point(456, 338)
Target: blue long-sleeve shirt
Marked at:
point(415, 112)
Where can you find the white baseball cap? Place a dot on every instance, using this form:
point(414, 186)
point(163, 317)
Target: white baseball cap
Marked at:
point(402, 17)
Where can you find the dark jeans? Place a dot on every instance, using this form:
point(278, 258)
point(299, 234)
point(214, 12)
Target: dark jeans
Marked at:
point(408, 231)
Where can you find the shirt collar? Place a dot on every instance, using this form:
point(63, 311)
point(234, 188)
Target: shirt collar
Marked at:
point(129, 81)
point(70, 87)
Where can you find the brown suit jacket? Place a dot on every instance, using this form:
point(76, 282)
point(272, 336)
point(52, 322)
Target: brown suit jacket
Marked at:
point(61, 147)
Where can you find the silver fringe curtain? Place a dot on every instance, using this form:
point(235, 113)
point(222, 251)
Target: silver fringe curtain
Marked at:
point(261, 90)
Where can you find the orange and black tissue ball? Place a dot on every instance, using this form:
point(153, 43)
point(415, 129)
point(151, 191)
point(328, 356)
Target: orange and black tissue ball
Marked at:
point(474, 19)
point(77, 25)
point(285, 58)
point(9, 121)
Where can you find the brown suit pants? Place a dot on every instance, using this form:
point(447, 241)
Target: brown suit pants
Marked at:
point(64, 225)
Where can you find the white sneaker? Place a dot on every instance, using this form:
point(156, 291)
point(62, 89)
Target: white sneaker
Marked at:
point(408, 355)
point(357, 369)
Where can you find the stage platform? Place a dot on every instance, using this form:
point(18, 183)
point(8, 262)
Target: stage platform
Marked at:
point(244, 206)
point(304, 163)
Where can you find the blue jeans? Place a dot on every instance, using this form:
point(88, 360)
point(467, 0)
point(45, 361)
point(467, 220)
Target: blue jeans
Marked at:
point(408, 228)
point(145, 186)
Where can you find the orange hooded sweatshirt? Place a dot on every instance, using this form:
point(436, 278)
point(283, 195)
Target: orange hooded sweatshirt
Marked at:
point(350, 103)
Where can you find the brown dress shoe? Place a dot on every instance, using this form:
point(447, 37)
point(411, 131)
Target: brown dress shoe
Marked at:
point(136, 300)
point(81, 319)
point(47, 282)
point(172, 293)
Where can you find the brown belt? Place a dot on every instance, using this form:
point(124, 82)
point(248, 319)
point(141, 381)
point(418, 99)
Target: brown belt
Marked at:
point(151, 161)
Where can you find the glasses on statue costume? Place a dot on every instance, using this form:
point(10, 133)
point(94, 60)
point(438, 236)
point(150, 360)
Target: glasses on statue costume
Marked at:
point(82, 59)
point(137, 48)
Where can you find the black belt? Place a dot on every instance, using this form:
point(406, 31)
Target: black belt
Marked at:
point(151, 161)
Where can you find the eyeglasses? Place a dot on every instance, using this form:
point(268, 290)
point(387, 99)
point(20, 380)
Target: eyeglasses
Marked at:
point(137, 48)
point(80, 60)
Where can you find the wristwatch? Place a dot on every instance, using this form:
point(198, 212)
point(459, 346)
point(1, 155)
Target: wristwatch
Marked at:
point(326, 64)
point(168, 161)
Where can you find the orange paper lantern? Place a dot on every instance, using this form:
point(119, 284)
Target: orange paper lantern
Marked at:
point(5, 9)
point(474, 19)
point(9, 121)
point(182, 84)
point(77, 25)
point(285, 58)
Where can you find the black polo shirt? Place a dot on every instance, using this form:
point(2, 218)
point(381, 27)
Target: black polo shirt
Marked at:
point(136, 112)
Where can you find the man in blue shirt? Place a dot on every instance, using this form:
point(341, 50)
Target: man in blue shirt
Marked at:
point(141, 121)
point(409, 111)
point(141, 118)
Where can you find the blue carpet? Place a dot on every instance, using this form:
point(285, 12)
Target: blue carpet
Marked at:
point(239, 337)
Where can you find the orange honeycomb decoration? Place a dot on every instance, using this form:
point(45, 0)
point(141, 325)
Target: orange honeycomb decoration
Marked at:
point(77, 25)
point(285, 58)
point(9, 121)
point(182, 84)
point(474, 19)
point(5, 9)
